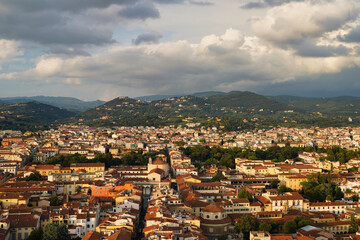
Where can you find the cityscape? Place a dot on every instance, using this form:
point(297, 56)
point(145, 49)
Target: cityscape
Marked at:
point(179, 119)
point(180, 183)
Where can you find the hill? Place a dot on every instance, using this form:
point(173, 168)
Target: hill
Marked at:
point(71, 104)
point(185, 109)
point(156, 97)
point(208, 94)
point(345, 105)
point(30, 116)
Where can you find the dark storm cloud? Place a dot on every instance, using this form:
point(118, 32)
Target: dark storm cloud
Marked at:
point(308, 48)
point(48, 27)
point(141, 10)
point(151, 37)
point(267, 3)
point(321, 86)
point(170, 1)
point(71, 22)
point(63, 5)
point(201, 3)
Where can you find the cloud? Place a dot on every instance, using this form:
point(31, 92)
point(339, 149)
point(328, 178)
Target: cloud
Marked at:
point(201, 3)
point(151, 37)
point(77, 24)
point(48, 67)
point(9, 49)
point(141, 10)
point(294, 22)
point(266, 3)
point(73, 81)
point(351, 37)
point(223, 62)
point(309, 48)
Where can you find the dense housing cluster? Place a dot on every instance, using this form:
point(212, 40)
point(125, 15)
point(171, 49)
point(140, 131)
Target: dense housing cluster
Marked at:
point(180, 183)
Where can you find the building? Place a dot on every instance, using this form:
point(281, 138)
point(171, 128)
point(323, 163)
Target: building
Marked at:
point(214, 221)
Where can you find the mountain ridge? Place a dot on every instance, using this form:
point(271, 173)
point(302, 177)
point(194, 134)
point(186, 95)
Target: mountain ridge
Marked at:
point(70, 103)
point(31, 115)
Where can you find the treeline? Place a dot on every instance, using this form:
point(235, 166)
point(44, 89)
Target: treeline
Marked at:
point(249, 223)
point(226, 157)
point(131, 158)
point(214, 155)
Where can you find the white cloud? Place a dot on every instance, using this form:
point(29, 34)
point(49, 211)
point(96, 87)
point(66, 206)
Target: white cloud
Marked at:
point(49, 67)
point(73, 81)
point(9, 49)
point(293, 22)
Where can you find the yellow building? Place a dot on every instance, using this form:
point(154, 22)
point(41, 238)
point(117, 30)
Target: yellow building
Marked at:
point(44, 170)
point(14, 199)
point(294, 182)
point(88, 167)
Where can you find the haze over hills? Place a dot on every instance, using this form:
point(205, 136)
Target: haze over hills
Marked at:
point(30, 116)
point(69, 103)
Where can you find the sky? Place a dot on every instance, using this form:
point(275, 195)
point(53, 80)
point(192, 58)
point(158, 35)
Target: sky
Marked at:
point(91, 49)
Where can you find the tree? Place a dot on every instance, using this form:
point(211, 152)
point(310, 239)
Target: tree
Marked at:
point(245, 194)
point(290, 227)
point(36, 234)
point(355, 198)
point(329, 198)
point(265, 226)
point(217, 177)
point(297, 222)
point(35, 176)
point(302, 221)
point(211, 161)
point(283, 188)
point(78, 189)
point(274, 184)
point(353, 169)
point(246, 224)
point(56, 232)
point(354, 227)
point(338, 193)
point(54, 201)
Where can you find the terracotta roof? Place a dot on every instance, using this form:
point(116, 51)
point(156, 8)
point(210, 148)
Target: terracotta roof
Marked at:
point(92, 236)
point(218, 221)
point(20, 221)
point(87, 165)
point(213, 208)
point(157, 170)
point(158, 162)
point(123, 234)
point(287, 196)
